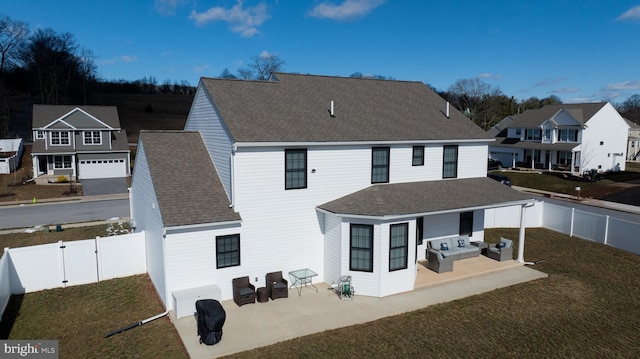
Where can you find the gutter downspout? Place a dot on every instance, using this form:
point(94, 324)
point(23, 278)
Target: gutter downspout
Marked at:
point(232, 197)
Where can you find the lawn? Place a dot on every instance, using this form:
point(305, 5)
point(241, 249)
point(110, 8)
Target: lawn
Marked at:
point(556, 183)
point(588, 307)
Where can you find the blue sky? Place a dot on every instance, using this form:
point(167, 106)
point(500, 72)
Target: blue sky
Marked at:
point(578, 50)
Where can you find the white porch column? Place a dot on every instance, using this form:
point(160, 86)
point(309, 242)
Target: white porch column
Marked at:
point(523, 220)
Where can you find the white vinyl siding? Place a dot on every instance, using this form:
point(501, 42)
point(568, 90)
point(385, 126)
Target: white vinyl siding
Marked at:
point(146, 213)
point(204, 117)
point(608, 127)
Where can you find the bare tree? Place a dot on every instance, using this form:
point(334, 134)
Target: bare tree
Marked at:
point(261, 67)
point(472, 97)
point(12, 34)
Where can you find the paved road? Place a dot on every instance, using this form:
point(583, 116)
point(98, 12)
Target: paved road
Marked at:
point(30, 215)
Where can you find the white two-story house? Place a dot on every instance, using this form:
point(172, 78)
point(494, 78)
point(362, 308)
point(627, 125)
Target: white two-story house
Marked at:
point(338, 175)
point(79, 142)
point(572, 137)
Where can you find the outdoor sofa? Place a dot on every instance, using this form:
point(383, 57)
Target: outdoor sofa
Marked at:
point(458, 247)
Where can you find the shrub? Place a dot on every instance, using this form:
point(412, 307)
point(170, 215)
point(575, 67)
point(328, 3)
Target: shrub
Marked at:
point(62, 179)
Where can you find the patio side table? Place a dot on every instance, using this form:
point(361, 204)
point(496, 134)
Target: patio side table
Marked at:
point(262, 294)
point(302, 277)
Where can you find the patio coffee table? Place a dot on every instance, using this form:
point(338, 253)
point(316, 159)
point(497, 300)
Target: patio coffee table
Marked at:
point(302, 277)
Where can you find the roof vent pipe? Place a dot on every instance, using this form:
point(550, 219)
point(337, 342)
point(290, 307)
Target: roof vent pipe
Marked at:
point(331, 110)
point(447, 109)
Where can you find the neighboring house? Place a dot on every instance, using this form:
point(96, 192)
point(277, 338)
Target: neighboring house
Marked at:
point(79, 142)
point(342, 176)
point(572, 137)
point(10, 155)
point(633, 144)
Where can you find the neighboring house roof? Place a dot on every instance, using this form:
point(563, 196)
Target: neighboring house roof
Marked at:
point(411, 198)
point(186, 183)
point(499, 127)
point(632, 125)
point(88, 118)
point(533, 118)
point(296, 108)
point(44, 115)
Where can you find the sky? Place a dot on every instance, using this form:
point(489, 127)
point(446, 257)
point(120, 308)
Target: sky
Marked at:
point(578, 50)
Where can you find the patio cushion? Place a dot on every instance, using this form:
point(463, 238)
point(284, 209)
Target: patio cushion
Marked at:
point(461, 242)
point(444, 246)
point(506, 243)
point(494, 250)
point(279, 285)
point(246, 291)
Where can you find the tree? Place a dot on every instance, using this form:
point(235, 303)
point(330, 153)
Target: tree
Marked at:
point(630, 109)
point(56, 65)
point(226, 74)
point(261, 67)
point(473, 97)
point(12, 34)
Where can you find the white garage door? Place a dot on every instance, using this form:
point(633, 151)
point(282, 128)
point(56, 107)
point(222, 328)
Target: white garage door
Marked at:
point(102, 168)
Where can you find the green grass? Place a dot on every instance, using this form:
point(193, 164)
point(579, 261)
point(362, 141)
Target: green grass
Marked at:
point(588, 307)
point(555, 183)
point(22, 239)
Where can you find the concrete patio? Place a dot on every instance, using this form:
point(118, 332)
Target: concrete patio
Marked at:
point(256, 325)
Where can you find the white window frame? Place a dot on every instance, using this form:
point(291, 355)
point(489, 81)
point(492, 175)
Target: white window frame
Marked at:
point(63, 164)
point(57, 136)
point(89, 138)
point(39, 135)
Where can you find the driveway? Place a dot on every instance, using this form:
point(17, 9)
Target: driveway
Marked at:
point(102, 186)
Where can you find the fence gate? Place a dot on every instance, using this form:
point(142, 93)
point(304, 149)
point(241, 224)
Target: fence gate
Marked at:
point(79, 262)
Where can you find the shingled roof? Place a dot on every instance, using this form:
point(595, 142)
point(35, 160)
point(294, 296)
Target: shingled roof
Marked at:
point(533, 118)
point(45, 114)
point(414, 198)
point(296, 108)
point(186, 183)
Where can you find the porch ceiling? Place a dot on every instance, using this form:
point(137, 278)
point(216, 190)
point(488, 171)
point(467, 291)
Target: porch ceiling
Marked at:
point(413, 198)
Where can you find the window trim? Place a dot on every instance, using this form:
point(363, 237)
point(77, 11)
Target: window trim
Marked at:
point(445, 162)
point(419, 160)
point(287, 170)
point(375, 166)
point(39, 135)
point(91, 139)
point(404, 246)
point(466, 224)
point(59, 138)
point(62, 162)
point(236, 237)
point(369, 268)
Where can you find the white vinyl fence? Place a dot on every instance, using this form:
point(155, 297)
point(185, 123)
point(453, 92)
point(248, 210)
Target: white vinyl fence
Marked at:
point(64, 264)
point(599, 228)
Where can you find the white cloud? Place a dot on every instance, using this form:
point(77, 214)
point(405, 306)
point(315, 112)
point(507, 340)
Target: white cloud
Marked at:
point(349, 9)
point(565, 90)
point(124, 58)
point(579, 100)
point(623, 86)
point(245, 21)
point(631, 14)
point(167, 7)
point(488, 75)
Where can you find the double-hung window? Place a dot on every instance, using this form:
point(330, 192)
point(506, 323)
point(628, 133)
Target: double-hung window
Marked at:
point(61, 162)
point(418, 156)
point(450, 162)
point(92, 138)
point(295, 172)
point(532, 134)
point(39, 135)
point(228, 251)
point(466, 223)
point(398, 246)
point(59, 138)
point(380, 165)
point(361, 248)
point(568, 136)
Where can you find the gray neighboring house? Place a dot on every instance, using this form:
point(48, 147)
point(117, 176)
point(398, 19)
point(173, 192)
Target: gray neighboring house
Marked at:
point(79, 142)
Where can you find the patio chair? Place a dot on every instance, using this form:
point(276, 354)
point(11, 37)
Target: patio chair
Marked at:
point(277, 287)
point(501, 251)
point(243, 291)
point(438, 262)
